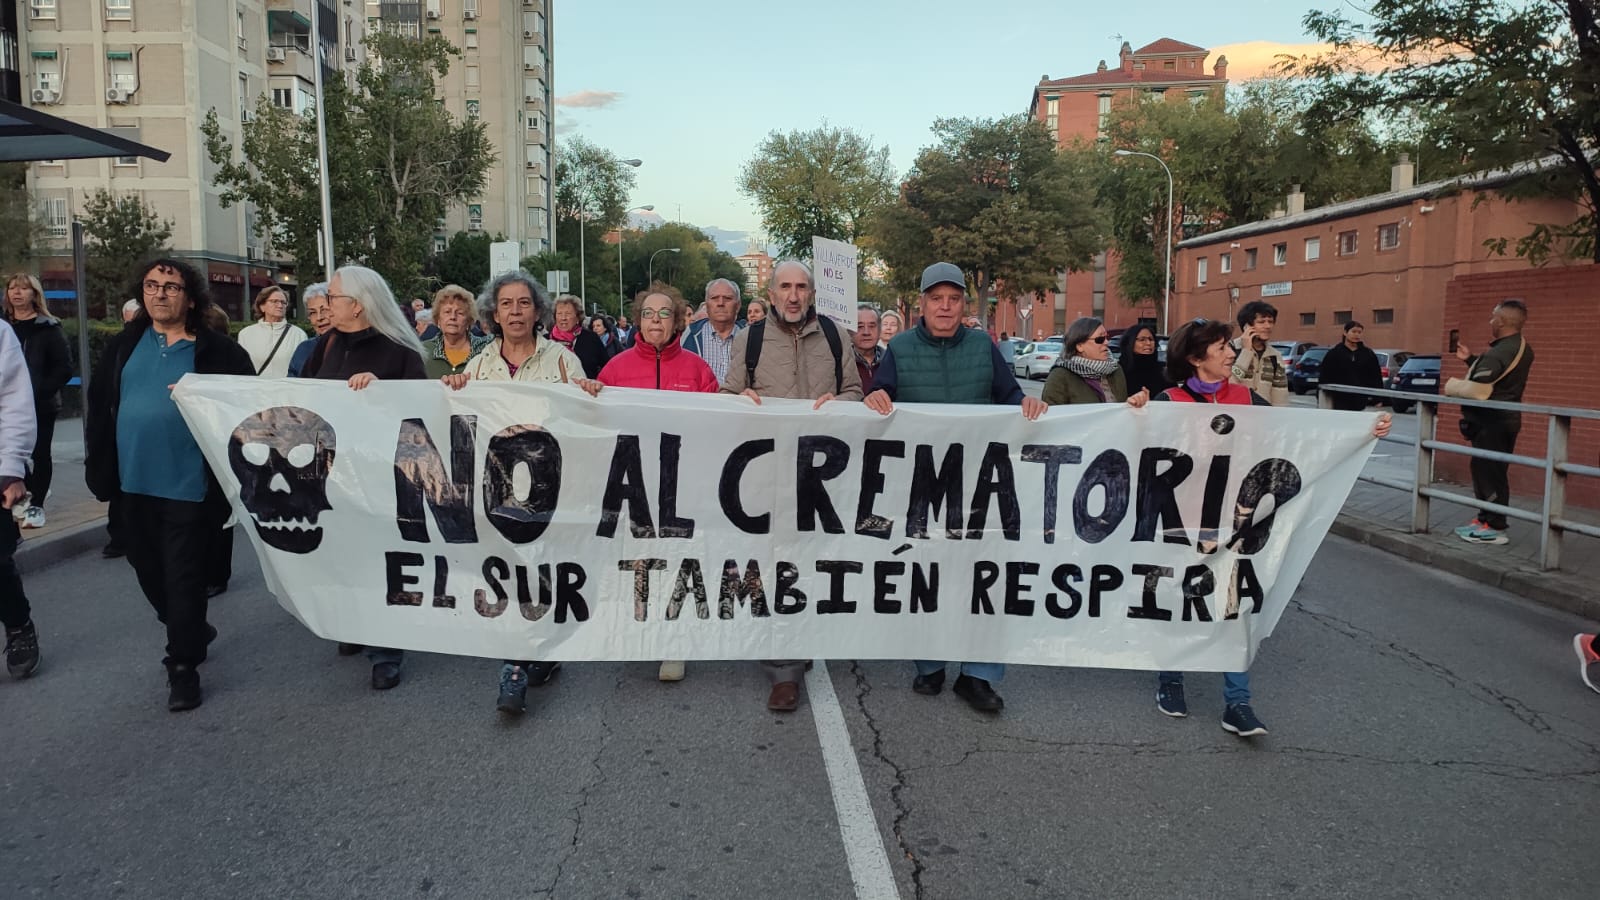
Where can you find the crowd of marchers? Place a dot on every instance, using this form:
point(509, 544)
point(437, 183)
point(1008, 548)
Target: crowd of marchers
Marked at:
point(169, 513)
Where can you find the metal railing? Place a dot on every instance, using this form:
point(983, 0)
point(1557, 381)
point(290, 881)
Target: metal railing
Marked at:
point(1550, 517)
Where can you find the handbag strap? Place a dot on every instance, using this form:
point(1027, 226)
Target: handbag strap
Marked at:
point(1522, 344)
point(281, 335)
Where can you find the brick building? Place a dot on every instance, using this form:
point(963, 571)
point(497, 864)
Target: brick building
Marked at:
point(1384, 260)
point(1075, 109)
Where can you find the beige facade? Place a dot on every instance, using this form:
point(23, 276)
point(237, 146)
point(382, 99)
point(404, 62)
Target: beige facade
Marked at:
point(152, 69)
point(504, 78)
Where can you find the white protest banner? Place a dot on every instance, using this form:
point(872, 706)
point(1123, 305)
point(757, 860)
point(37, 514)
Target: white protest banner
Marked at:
point(532, 521)
point(834, 268)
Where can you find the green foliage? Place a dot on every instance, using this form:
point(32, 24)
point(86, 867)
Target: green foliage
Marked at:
point(1497, 83)
point(995, 198)
point(397, 161)
point(120, 233)
point(593, 181)
point(465, 260)
point(24, 231)
point(827, 182)
point(696, 264)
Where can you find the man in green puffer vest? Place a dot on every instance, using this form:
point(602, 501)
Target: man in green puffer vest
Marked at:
point(940, 361)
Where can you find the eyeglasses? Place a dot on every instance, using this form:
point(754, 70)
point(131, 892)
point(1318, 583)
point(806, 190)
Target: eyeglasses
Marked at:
point(352, 299)
point(655, 314)
point(273, 300)
point(1100, 340)
point(170, 288)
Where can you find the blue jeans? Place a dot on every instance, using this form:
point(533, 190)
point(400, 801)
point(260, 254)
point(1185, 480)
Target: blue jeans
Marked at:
point(990, 672)
point(1235, 685)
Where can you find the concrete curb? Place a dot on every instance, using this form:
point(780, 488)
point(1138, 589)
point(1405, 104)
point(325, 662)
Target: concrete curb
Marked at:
point(43, 552)
point(1558, 590)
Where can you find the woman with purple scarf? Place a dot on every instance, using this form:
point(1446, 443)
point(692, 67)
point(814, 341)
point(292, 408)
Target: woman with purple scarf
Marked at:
point(1086, 373)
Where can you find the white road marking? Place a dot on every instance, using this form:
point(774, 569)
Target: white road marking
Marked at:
point(858, 827)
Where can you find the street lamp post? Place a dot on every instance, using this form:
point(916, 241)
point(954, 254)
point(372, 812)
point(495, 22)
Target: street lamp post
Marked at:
point(1166, 286)
point(622, 297)
point(583, 262)
point(650, 267)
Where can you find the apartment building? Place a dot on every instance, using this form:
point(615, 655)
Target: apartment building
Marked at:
point(503, 78)
point(151, 70)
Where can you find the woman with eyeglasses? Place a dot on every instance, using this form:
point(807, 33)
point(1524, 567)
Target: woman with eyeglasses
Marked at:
point(658, 361)
point(1140, 361)
point(271, 341)
point(1200, 363)
point(1085, 372)
point(370, 341)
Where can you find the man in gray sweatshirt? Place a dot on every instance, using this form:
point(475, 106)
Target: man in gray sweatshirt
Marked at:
point(17, 432)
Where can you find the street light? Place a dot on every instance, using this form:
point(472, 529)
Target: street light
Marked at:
point(622, 297)
point(583, 208)
point(1166, 286)
point(650, 267)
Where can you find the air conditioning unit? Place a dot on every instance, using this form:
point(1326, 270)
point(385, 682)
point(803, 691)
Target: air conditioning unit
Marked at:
point(275, 54)
point(433, 14)
point(532, 164)
point(117, 95)
point(243, 44)
point(469, 14)
point(350, 54)
point(45, 95)
point(528, 35)
point(529, 99)
point(528, 67)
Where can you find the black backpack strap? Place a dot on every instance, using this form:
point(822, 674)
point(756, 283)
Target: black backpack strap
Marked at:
point(752, 351)
point(831, 332)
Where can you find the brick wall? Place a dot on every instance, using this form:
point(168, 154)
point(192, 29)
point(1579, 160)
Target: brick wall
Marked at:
point(1564, 332)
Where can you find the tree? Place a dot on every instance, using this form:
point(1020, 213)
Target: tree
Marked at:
point(24, 230)
point(827, 182)
point(995, 198)
point(397, 161)
point(696, 263)
point(592, 187)
point(121, 233)
point(465, 260)
point(1505, 82)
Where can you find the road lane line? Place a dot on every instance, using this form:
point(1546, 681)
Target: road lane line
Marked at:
point(863, 842)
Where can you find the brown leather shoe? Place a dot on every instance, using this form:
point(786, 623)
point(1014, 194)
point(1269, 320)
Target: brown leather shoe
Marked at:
point(785, 697)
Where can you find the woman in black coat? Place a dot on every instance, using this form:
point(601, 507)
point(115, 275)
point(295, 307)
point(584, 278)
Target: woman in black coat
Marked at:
point(1143, 369)
point(44, 347)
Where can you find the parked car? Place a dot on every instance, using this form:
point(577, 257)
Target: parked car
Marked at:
point(1291, 350)
point(1389, 364)
point(1303, 374)
point(1418, 375)
point(1036, 362)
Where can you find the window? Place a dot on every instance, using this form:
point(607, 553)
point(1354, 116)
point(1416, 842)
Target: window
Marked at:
point(1389, 236)
point(119, 9)
point(1383, 316)
point(472, 109)
point(1201, 266)
point(1225, 263)
point(283, 98)
point(1196, 97)
point(469, 6)
point(1052, 116)
point(130, 134)
point(1308, 319)
point(1250, 259)
point(47, 75)
point(1342, 317)
point(55, 216)
point(472, 40)
point(42, 9)
point(1348, 241)
point(1280, 254)
point(1104, 110)
point(475, 217)
point(1170, 65)
point(1313, 249)
point(238, 26)
point(244, 98)
point(123, 75)
point(439, 242)
point(473, 78)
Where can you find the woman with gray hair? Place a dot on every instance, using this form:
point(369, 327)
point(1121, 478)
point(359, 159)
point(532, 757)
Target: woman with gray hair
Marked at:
point(370, 340)
point(521, 313)
point(1085, 372)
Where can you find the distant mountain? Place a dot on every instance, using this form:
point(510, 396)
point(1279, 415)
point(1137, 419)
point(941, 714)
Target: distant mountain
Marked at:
point(734, 242)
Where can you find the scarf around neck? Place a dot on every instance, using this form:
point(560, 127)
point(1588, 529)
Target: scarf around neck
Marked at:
point(1204, 387)
point(564, 338)
point(1087, 368)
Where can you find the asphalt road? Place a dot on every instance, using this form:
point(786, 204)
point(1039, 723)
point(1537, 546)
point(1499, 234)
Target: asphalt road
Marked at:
point(1429, 739)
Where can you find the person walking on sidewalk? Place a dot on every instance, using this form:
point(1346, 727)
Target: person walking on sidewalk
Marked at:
point(16, 444)
point(139, 450)
point(1351, 363)
point(1504, 367)
point(44, 350)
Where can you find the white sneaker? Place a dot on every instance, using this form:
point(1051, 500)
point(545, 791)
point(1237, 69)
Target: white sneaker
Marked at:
point(34, 518)
point(671, 670)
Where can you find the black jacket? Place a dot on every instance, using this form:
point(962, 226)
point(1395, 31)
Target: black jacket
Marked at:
point(1357, 368)
point(1489, 366)
point(44, 346)
point(339, 355)
point(593, 354)
point(214, 354)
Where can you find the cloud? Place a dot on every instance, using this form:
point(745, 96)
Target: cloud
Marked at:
point(1253, 59)
point(589, 99)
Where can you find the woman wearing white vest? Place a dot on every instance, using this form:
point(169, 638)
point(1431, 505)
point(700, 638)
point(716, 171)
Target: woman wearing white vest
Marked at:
point(272, 339)
point(521, 351)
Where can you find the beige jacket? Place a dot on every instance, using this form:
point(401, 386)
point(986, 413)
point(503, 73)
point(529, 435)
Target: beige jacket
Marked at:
point(1264, 372)
point(799, 367)
point(550, 362)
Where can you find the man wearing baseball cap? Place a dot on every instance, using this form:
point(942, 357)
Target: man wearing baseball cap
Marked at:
point(939, 361)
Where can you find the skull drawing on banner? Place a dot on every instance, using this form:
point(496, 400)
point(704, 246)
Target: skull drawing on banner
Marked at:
point(281, 457)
